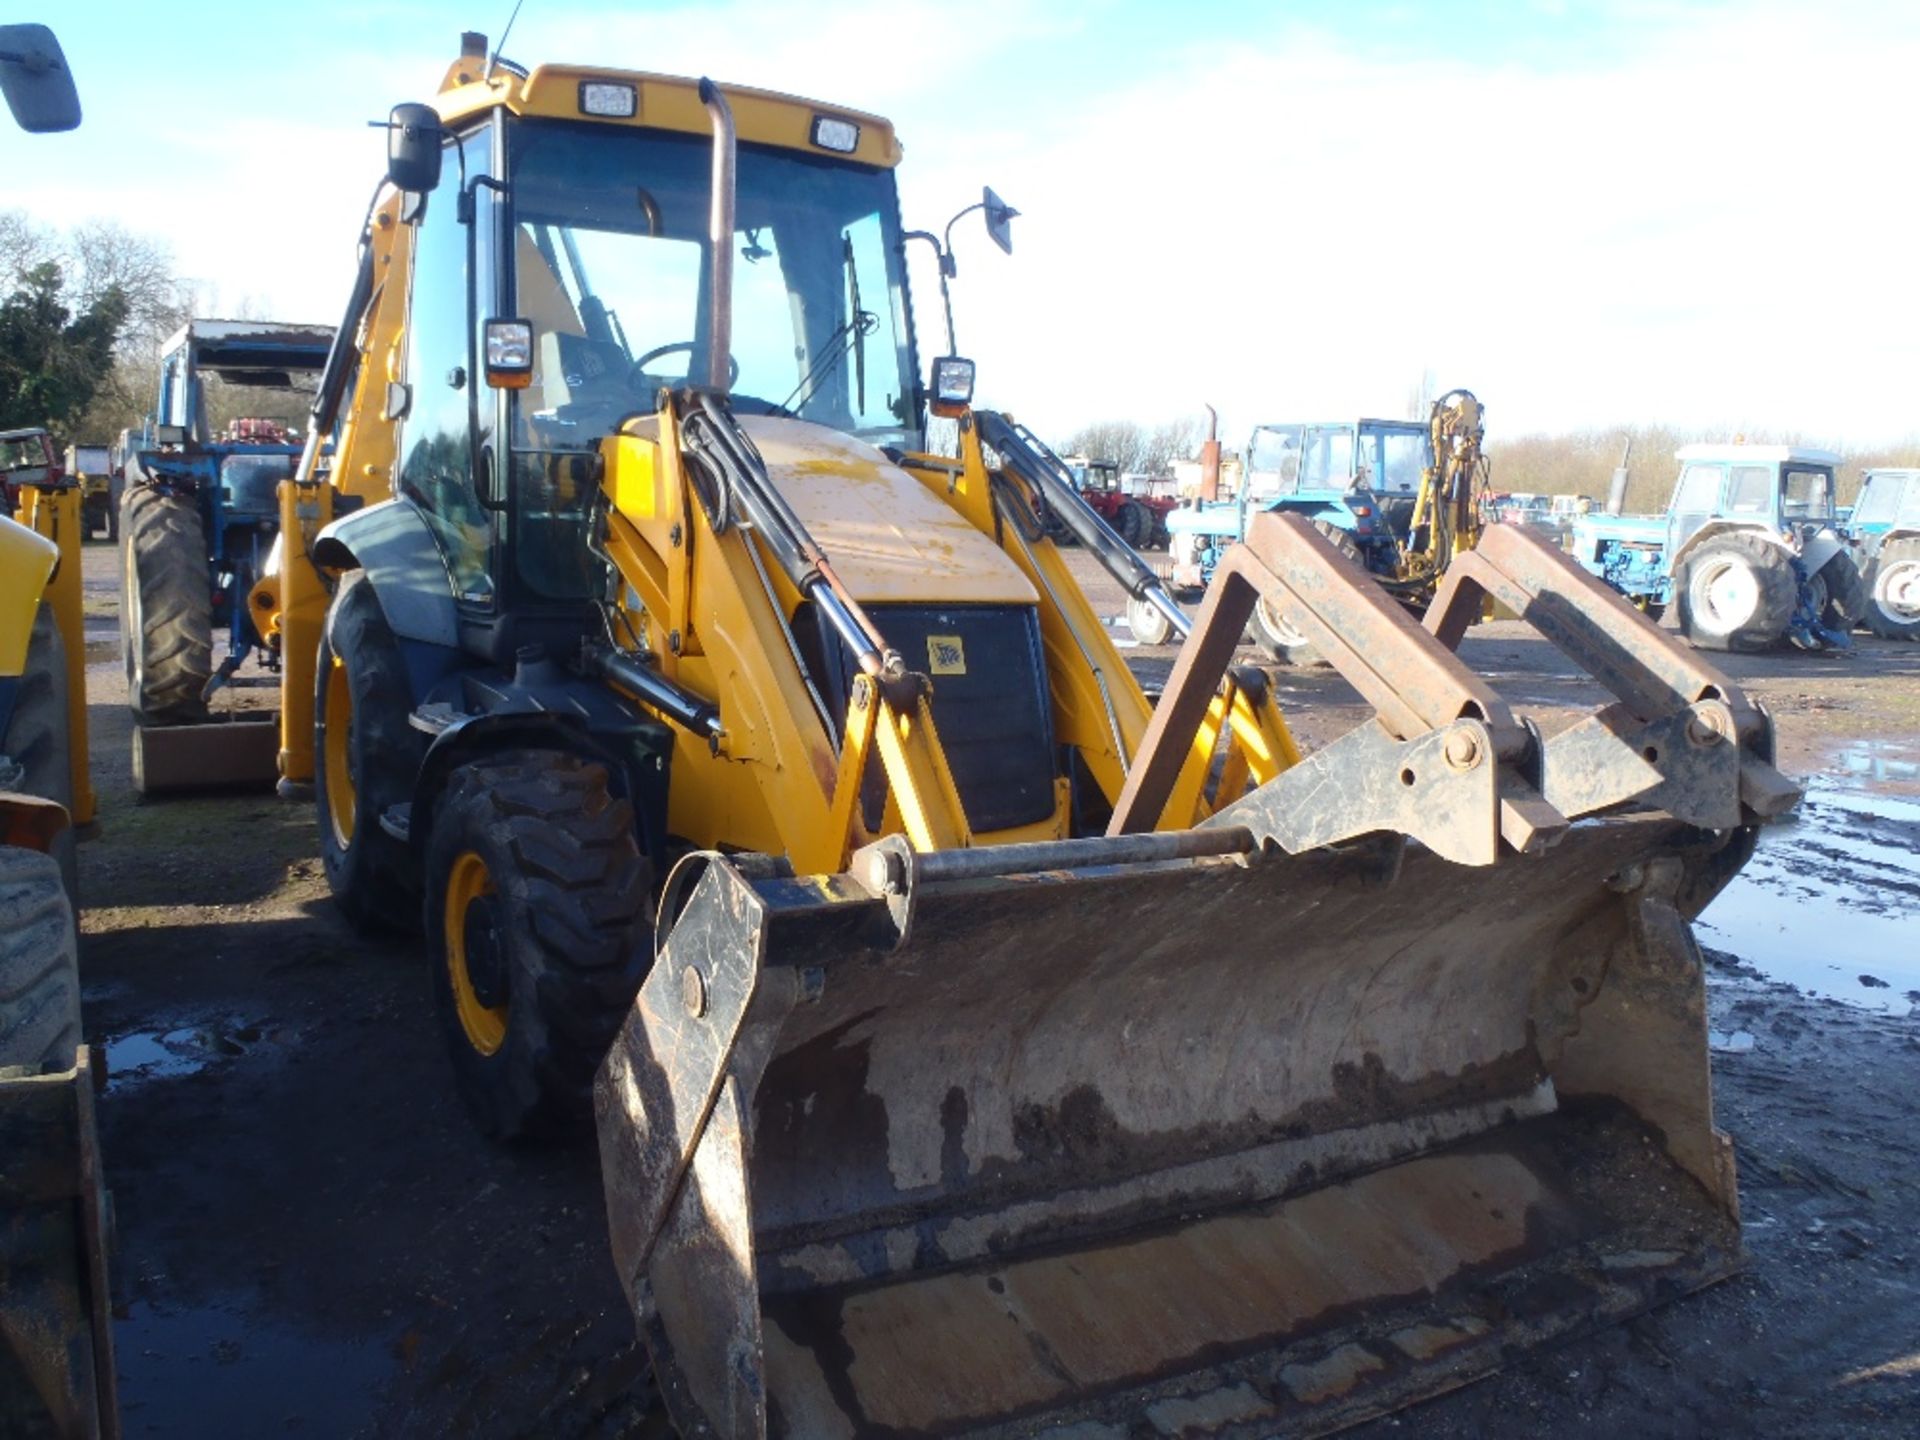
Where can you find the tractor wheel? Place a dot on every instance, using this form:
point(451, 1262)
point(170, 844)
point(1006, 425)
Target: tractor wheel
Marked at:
point(1893, 591)
point(1846, 599)
point(38, 745)
point(166, 607)
point(1135, 524)
point(39, 968)
point(366, 758)
point(1149, 626)
point(1273, 633)
point(536, 912)
point(1737, 592)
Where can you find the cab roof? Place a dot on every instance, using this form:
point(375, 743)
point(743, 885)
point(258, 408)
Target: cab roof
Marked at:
point(662, 102)
point(1765, 454)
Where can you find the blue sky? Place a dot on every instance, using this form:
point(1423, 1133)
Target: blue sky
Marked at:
point(1589, 213)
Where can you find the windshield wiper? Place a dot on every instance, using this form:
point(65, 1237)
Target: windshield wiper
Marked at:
point(850, 334)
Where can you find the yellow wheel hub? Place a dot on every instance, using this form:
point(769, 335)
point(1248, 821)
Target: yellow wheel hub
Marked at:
point(470, 939)
point(342, 803)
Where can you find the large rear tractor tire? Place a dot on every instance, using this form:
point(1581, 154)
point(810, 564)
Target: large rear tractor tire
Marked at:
point(366, 758)
point(1736, 592)
point(537, 899)
point(39, 968)
point(36, 753)
point(1135, 524)
point(166, 607)
point(1893, 591)
point(1277, 638)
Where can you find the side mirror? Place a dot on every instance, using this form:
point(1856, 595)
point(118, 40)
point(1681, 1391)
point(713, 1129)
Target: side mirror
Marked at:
point(38, 85)
point(999, 219)
point(509, 354)
point(413, 148)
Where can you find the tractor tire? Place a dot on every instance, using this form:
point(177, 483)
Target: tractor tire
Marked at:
point(537, 932)
point(366, 758)
point(1149, 626)
point(1135, 523)
point(38, 742)
point(1736, 592)
point(1277, 639)
point(166, 607)
point(1893, 591)
point(1846, 600)
point(39, 966)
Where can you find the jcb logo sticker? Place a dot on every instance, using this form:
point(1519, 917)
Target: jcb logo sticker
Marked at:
point(946, 655)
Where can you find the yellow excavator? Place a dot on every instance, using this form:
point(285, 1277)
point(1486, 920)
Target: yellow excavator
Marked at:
point(974, 1046)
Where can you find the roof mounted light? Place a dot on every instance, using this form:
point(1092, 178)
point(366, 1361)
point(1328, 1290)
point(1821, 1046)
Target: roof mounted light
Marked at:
point(830, 132)
point(609, 100)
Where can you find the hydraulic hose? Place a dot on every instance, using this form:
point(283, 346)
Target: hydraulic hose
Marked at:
point(1029, 458)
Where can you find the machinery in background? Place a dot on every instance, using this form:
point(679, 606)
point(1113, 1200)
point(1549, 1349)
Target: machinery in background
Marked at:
point(1749, 549)
point(1126, 503)
point(56, 1325)
point(92, 468)
point(199, 511)
point(1885, 532)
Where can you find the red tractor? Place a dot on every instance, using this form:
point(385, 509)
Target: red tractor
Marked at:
point(1137, 517)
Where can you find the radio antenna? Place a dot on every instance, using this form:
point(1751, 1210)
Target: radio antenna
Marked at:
point(495, 58)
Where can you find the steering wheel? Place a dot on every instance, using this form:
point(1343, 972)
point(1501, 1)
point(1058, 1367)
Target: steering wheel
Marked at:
point(638, 374)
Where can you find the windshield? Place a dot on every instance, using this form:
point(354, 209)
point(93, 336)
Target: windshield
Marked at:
point(611, 264)
point(1806, 494)
point(1393, 460)
point(1273, 460)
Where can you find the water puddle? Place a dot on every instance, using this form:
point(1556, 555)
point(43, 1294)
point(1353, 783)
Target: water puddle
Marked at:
point(160, 1054)
point(227, 1370)
point(1830, 902)
point(1887, 764)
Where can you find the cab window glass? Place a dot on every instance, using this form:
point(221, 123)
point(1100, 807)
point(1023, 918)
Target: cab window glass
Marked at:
point(1750, 490)
point(436, 438)
point(1698, 490)
point(1328, 459)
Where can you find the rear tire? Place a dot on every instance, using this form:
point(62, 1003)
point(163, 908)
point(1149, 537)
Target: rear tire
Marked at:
point(166, 607)
point(1736, 592)
point(537, 897)
point(1273, 633)
point(39, 965)
point(1893, 591)
point(38, 742)
point(366, 758)
point(1846, 594)
point(1134, 523)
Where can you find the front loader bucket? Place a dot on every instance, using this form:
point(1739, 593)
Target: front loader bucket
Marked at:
point(1252, 1129)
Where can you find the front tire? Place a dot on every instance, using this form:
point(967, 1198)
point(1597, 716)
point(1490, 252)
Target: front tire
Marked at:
point(536, 911)
point(39, 967)
point(166, 607)
point(1149, 626)
point(366, 758)
point(1893, 591)
point(38, 742)
point(1276, 636)
point(1736, 592)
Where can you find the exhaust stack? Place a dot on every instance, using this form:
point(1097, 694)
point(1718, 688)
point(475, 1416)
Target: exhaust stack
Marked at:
point(1210, 458)
point(720, 236)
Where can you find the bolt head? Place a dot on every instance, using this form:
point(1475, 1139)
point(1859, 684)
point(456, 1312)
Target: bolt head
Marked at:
point(1463, 750)
point(693, 991)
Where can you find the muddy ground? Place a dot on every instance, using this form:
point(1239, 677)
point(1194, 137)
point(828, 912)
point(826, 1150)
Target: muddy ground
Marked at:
point(313, 1240)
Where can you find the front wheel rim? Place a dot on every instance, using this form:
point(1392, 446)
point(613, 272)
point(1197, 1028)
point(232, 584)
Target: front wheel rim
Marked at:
point(337, 718)
point(1279, 629)
point(467, 917)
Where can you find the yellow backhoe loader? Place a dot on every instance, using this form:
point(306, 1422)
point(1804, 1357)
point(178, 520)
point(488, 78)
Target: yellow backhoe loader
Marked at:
point(974, 1047)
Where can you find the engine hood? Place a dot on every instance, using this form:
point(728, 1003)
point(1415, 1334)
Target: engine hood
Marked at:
point(890, 540)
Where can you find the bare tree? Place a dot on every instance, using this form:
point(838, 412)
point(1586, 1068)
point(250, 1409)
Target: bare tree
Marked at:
point(1170, 441)
point(1121, 441)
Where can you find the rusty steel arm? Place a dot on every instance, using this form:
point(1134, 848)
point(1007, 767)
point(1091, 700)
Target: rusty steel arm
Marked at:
point(1712, 744)
point(1435, 725)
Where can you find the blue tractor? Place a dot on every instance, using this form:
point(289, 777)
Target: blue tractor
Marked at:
point(1885, 528)
point(199, 508)
point(1357, 481)
point(1749, 549)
